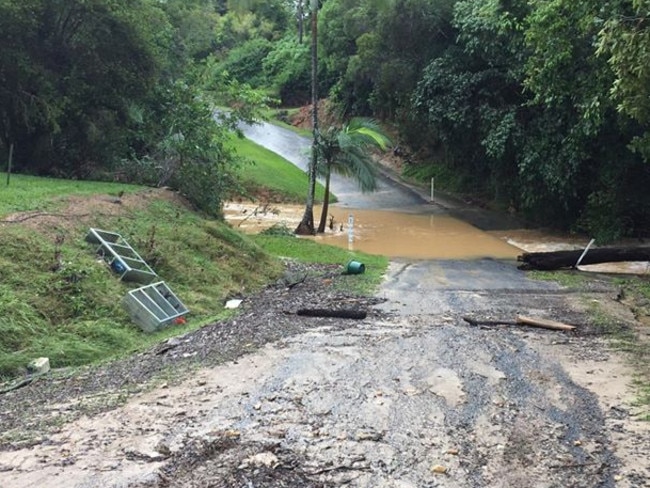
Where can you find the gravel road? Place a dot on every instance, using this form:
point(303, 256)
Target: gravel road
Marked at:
point(408, 397)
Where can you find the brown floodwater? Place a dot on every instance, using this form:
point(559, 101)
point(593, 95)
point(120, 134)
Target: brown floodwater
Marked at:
point(393, 234)
point(409, 235)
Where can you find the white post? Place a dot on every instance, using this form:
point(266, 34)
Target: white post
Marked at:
point(350, 228)
point(432, 189)
point(584, 252)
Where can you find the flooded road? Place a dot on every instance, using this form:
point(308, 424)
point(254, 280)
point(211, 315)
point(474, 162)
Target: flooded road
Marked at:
point(409, 397)
point(398, 220)
point(390, 233)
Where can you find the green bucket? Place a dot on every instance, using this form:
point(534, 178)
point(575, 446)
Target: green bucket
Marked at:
point(355, 267)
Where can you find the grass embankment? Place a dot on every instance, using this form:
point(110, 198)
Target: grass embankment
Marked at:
point(58, 300)
point(269, 176)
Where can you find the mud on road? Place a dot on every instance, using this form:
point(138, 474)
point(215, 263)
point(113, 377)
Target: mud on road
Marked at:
point(412, 396)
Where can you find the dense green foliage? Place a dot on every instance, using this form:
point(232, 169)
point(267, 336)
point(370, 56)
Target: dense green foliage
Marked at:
point(541, 107)
point(126, 89)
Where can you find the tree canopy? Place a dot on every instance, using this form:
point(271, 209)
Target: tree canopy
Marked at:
point(539, 107)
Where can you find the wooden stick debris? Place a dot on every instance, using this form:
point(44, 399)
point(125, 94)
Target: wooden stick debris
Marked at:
point(523, 320)
point(544, 323)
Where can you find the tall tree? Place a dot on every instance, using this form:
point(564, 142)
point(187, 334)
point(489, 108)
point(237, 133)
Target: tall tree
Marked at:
point(306, 225)
point(347, 150)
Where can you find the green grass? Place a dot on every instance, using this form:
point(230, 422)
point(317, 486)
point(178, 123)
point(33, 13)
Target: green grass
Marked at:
point(568, 278)
point(274, 174)
point(58, 300)
point(73, 315)
point(34, 193)
point(308, 251)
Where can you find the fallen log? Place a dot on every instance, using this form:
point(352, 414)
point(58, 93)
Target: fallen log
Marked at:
point(547, 261)
point(342, 314)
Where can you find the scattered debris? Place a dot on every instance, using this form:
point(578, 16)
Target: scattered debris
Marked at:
point(153, 307)
point(168, 345)
point(120, 256)
point(301, 280)
point(544, 323)
point(266, 459)
point(15, 386)
point(234, 303)
point(522, 320)
point(39, 366)
point(354, 268)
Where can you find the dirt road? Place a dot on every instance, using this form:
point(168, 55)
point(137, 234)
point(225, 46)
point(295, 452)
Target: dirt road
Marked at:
point(412, 396)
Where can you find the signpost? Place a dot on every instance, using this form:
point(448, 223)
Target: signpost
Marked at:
point(350, 229)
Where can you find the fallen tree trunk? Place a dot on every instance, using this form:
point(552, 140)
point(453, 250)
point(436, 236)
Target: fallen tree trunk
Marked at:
point(473, 321)
point(547, 261)
point(342, 314)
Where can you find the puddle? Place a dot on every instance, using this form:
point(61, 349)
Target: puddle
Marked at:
point(393, 234)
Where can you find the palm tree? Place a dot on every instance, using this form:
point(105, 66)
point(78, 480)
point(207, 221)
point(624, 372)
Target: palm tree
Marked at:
point(306, 225)
point(346, 151)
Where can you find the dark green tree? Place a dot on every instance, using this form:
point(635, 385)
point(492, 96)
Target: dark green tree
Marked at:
point(71, 72)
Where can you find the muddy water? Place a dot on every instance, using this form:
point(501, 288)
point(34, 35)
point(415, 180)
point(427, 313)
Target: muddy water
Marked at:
point(393, 234)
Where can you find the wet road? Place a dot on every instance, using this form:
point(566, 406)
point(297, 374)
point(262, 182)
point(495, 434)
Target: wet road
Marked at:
point(296, 149)
point(417, 287)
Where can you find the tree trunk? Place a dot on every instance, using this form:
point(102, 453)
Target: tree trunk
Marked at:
point(326, 202)
point(306, 225)
point(567, 259)
point(300, 21)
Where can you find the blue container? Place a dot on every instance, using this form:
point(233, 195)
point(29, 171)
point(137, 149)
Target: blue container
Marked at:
point(355, 267)
point(118, 266)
